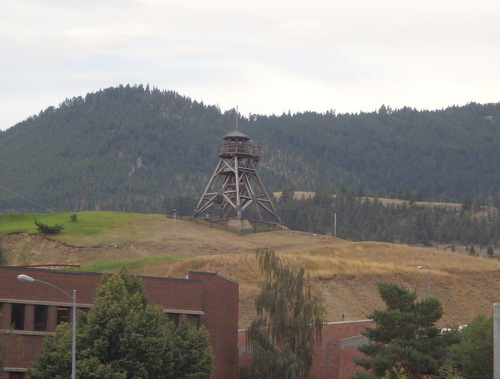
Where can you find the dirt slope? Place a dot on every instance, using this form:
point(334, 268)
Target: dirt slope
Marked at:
point(344, 273)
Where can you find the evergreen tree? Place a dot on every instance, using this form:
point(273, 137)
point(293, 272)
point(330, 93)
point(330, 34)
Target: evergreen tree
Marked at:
point(404, 335)
point(289, 319)
point(489, 251)
point(324, 195)
point(466, 202)
point(287, 194)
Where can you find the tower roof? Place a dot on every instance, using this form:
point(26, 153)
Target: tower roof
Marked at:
point(236, 135)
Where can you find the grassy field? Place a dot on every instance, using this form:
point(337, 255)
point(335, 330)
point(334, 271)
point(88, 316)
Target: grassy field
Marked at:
point(90, 228)
point(344, 273)
point(129, 264)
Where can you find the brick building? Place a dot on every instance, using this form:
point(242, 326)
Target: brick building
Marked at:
point(339, 343)
point(30, 311)
point(334, 353)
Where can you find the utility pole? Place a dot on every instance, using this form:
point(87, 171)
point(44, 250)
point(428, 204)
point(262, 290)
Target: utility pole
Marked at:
point(335, 224)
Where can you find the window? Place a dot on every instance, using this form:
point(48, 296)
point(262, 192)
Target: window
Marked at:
point(62, 314)
point(174, 317)
point(40, 317)
point(16, 375)
point(17, 318)
point(194, 320)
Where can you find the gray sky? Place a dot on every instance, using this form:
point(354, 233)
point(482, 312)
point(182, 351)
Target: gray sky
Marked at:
point(266, 57)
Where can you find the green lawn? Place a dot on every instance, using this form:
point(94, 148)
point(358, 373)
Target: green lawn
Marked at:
point(90, 228)
point(130, 264)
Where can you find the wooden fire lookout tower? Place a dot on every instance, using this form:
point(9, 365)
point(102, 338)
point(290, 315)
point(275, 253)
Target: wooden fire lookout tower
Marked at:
point(235, 186)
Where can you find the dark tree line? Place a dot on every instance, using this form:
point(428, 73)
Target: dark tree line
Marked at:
point(368, 219)
point(361, 218)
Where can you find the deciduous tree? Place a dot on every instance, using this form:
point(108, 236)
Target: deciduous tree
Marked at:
point(123, 336)
point(289, 320)
point(474, 353)
point(193, 357)
point(2, 350)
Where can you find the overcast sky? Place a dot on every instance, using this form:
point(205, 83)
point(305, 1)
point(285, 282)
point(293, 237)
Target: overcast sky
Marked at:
point(266, 57)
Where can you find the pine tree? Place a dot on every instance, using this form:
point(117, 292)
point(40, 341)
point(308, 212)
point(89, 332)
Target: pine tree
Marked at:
point(489, 251)
point(404, 336)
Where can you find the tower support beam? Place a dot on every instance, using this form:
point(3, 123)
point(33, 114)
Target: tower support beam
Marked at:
point(235, 185)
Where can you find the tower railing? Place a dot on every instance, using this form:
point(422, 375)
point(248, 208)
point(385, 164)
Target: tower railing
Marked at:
point(226, 149)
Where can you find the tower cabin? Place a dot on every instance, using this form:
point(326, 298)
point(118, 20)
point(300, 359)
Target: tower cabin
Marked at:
point(235, 186)
point(236, 145)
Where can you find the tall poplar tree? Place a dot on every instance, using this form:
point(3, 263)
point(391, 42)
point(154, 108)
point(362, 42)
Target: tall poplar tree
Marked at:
point(289, 320)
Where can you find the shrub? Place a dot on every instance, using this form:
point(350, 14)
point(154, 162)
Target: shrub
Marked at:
point(74, 217)
point(47, 229)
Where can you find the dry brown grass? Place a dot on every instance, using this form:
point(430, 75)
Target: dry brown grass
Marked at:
point(344, 273)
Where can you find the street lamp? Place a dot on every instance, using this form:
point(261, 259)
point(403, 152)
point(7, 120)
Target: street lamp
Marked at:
point(428, 279)
point(26, 278)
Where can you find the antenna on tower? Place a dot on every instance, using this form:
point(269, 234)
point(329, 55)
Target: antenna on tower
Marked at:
point(236, 117)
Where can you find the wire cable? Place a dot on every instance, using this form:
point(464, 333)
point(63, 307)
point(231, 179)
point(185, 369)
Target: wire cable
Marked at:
point(26, 198)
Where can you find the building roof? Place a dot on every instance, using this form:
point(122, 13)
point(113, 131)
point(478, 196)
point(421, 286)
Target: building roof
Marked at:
point(236, 134)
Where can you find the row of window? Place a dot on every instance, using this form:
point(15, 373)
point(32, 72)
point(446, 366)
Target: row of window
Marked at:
point(63, 315)
point(41, 316)
point(41, 321)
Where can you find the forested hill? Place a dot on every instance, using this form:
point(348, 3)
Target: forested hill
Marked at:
point(131, 147)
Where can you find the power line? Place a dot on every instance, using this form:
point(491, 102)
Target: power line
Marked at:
point(29, 200)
